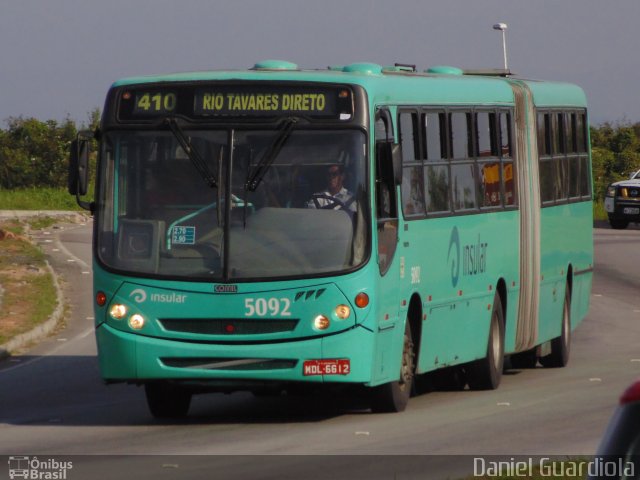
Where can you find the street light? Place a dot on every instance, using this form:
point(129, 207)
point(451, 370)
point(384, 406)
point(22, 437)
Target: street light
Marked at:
point(503, 27)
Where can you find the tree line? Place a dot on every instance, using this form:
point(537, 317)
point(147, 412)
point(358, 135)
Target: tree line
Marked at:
point(35, 153)
point(615, 151)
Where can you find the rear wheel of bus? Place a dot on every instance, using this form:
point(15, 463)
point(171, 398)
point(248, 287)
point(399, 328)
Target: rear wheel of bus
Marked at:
point(394, 396)
point(486, 373)
point(167, 401)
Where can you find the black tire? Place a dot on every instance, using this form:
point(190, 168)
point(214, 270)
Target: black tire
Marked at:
point(394, 396)
point(618, 224)
point(561, 346)
point(526, 359)
point(167, 401)
point(486, 373)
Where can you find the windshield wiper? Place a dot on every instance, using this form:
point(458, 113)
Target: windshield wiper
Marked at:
point(260, 170)
point(196, 159)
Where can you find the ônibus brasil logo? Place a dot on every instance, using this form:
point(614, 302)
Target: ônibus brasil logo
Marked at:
point(33, 468)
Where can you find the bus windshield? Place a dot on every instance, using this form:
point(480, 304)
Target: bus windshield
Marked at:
point(225, 205)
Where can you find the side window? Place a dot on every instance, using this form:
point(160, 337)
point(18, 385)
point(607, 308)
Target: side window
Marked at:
point(488, 159)
point(460, 135)
point(572, 157)
point(541, 125)
point(463, 168)
point(463, 178)
point(486, 134)
point(506, 153)
point(412, 177)
point(548, 168)
point(436, 171)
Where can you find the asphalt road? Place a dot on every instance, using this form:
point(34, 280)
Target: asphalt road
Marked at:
point(53, 404)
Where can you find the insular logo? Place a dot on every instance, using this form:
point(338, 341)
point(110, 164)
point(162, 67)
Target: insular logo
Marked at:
point(138, 295)
point(453, 256)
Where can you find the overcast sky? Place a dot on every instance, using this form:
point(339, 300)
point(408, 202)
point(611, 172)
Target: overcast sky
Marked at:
point(59, 57)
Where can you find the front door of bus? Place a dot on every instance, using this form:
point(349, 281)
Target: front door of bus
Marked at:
point(386, 214)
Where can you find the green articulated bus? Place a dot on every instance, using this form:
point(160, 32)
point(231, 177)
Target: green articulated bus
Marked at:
point(370, 227)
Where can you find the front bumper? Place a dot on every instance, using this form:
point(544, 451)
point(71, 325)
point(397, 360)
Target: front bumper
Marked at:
point(129, 357)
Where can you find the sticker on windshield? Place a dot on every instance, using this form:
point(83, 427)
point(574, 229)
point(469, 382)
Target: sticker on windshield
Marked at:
point(183, 235)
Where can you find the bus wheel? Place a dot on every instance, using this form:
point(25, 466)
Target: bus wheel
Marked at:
point(485, 374)
point(561, 346)
point(167, 401)
point(394, 396)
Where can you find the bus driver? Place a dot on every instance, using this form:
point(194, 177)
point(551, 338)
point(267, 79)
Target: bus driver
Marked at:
point(336, 196)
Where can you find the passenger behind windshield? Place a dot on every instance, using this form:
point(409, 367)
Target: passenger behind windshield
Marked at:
point(336, 196)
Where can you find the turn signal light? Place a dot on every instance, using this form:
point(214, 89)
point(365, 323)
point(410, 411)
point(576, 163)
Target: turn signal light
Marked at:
point(362, 300)
point(101, 299)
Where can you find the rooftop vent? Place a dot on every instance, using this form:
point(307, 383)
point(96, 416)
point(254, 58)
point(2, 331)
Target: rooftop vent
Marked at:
point(367, 68)
point(275, 65)
point(445, 70)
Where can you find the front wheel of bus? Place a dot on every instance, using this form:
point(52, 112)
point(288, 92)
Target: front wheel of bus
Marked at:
point(561, 346)
point(486, 373)
point(167, 401)
point(394, 396)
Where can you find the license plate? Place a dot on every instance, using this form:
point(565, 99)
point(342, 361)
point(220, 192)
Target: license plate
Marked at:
point(341, 366)
point(631, 211)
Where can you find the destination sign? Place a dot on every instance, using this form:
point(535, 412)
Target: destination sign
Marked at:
point(224, 100)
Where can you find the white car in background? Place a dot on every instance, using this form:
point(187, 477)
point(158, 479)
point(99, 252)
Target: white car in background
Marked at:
point(622, 201)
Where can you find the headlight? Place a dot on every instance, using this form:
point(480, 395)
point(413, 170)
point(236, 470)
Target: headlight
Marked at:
point(321, 322)
point(136, 321)
point(118, 311)
point(611, 191)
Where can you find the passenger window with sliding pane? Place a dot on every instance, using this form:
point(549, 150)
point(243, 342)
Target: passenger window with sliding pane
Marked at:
point(412, 191)
point(464, 186)
point(435, 135)
point(581, 134)
point(558, 134)
point(585, 178)
point(509, 184)
point(436, 180)
point(574, 177)
point(460, 135)
point(547, 180)
point(490, 184)
point(412, 188)
point(486, 138)
point(561, 178)
point(542, 135)
point(505, 135)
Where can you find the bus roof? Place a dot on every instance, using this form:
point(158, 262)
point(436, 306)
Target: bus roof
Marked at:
point(438, 86)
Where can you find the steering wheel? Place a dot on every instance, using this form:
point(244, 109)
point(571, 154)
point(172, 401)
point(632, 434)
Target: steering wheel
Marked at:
point(333, 202)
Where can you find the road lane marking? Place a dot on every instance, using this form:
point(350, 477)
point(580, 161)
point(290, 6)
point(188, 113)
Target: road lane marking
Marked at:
point(52, 353)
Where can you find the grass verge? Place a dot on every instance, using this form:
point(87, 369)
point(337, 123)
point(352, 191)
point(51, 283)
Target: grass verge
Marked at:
point(38, 199)
point(28, 296)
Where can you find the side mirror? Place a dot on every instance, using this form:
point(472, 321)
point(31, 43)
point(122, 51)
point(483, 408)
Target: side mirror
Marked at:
point(79, 166)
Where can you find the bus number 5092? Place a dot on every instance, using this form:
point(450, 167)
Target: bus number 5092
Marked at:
point(261, 307)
